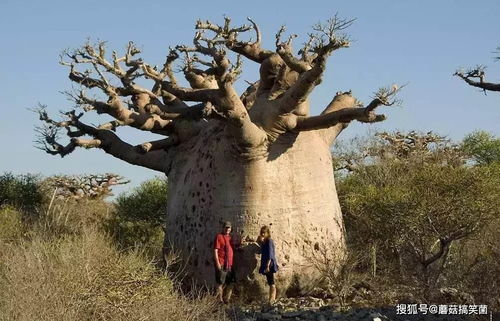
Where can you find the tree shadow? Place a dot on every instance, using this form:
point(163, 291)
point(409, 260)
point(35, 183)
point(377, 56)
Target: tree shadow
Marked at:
point(282, 145)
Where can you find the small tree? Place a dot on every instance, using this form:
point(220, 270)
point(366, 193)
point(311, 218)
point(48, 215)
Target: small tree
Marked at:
point(144, 203)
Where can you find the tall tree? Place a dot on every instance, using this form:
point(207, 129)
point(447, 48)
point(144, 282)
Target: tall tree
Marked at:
point(256, 158)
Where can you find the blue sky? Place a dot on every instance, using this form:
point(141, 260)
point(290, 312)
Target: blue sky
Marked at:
point(416, 42)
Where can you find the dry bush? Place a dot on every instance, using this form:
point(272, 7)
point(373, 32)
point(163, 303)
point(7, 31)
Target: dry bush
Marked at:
point(63, 263)
point(84, 277)
point(59, 217)
point(476, 267)
point(339, 271)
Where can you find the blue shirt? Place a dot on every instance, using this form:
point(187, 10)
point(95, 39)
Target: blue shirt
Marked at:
point(268, 253)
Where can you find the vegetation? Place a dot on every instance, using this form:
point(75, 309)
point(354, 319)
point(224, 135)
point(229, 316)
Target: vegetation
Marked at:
point(422, 214)
point(65, 265)
point(20, 191)
point(140, 216)
point(482, 147)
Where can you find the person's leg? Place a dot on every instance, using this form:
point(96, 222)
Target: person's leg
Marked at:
point(220, 291)
point(272, 293)
point(219, 279)
point(230, 279)
point(272, 287)
point(229, 292)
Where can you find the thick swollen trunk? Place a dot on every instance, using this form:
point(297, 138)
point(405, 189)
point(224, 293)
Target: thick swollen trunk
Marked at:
point(292, 190)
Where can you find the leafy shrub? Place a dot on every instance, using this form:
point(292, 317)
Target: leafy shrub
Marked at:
point(483, 147)
point(427, 215)
point(148, 202)
point(20, 191)
point(140, 215)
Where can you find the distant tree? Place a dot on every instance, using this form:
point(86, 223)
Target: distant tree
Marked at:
point(90, 186)
point(479, 72)
point(397, 146)
point(483, 147)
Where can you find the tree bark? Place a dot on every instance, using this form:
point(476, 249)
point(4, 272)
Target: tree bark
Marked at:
point(292, 190)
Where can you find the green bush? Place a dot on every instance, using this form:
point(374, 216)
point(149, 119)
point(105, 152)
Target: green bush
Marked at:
point(429, 218)
point(140, 215)
point(20, 191)
point(483, 147)
point(147, 203)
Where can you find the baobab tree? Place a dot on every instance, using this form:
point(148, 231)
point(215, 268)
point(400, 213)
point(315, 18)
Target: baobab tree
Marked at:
point(476, 77)
point(253, 159)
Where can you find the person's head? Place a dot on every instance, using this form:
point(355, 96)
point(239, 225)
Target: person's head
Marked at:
point(265, 232)
point(226, 227)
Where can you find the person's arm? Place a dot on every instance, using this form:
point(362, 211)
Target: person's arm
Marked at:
point(216, 259)
point(216, 253)
point(272, 254)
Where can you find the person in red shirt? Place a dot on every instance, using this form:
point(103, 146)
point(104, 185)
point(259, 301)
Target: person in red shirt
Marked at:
point(223, 259)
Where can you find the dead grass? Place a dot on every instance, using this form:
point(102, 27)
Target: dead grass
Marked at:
point(79, 274)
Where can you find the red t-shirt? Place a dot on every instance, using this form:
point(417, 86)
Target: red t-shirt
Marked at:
point(225, 250)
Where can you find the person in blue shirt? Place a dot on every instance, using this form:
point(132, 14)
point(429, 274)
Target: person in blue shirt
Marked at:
point(268, 263)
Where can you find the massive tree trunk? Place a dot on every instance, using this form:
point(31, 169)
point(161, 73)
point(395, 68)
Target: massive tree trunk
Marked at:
point(253, 159)
point(292, 190)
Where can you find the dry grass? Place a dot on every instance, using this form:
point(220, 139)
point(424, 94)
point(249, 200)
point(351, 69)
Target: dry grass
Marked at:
point(68, 269)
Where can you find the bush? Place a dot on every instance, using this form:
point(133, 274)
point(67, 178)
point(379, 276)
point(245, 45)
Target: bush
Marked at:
point(483, 147)
point(20, 191)
point(148, 202)
point(428, 216)
point(140, 216)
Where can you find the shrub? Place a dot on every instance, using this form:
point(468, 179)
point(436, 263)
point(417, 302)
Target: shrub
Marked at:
point(140, 215)
point(427, 215)
point(483, 147)
point(20, 191)
point(148, 202)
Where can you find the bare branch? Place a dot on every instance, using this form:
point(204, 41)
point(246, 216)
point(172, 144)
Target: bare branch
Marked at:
point(383, 97)
point(327, 40)
point(251, 50)
point(103, 139)
point(477, 73)
point(158, 144)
